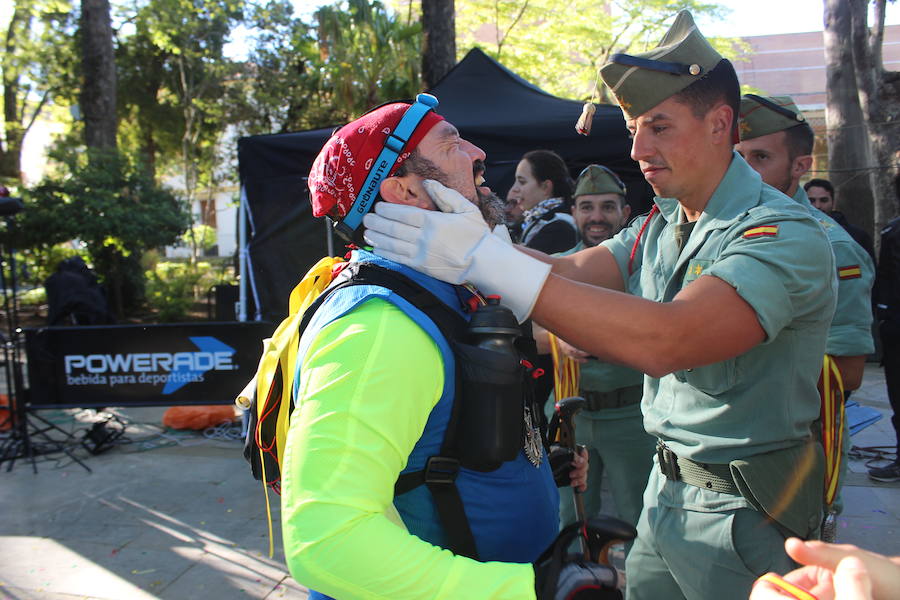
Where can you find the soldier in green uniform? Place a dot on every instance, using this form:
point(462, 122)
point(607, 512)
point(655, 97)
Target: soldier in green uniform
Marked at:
point(777, 142)
point(610, 426)
point(729, 291)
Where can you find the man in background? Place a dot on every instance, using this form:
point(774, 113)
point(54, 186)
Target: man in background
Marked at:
point(821, 195)
point(610, 426)
point(513, 213)
point(887, 304)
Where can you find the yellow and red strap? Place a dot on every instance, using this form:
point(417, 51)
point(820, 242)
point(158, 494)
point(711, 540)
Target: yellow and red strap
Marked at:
point(566, 372)
point(789, 588)
point(831, 389)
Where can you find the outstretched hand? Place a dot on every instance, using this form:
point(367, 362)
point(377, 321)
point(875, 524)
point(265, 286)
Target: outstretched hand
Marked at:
point(834, 572)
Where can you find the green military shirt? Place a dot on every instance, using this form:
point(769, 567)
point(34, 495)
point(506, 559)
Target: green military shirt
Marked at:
point(599, 376)
point(851, 328)
point(778, 259)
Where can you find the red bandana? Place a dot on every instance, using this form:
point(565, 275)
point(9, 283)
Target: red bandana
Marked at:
point(340, 169)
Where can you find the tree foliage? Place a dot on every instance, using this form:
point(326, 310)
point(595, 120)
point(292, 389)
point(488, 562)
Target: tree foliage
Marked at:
point(279, 87)
point(355, 55)
point(111, 206)
point(38, 63)
point(559, 44)
point(174, 75)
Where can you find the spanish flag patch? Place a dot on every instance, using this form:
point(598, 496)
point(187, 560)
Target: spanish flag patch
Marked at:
point(761, 231)
point(849, 272)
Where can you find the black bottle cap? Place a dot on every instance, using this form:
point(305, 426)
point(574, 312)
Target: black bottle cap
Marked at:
point(494, 318)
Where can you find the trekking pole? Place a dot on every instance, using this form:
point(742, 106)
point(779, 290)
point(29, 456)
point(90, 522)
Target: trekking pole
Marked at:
point(566, 409)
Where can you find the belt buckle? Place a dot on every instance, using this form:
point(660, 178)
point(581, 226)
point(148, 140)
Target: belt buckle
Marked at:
point(668, 461)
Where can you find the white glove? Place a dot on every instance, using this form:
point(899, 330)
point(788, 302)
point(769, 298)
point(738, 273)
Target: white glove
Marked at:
point(456, 246)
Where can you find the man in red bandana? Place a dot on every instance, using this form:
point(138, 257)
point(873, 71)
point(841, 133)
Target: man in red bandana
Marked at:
point(376, 392)
point(434, 150)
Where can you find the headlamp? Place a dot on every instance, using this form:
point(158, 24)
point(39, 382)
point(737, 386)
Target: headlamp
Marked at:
point(394, 145)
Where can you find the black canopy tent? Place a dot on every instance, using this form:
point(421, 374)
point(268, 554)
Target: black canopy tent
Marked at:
point(491, 106)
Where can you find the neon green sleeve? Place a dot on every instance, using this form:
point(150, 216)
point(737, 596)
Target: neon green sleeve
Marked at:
point(368, 384)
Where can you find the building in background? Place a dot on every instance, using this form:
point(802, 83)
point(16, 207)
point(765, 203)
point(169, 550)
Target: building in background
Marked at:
point(793, 64)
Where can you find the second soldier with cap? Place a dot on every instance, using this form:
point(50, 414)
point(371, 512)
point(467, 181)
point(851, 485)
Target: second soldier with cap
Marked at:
point(777, 142)
point(722, 295)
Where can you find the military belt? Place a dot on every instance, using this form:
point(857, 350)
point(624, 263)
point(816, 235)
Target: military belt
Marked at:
point(619, 398)
point(702, 475)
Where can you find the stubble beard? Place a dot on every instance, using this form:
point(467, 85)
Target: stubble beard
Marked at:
point(786, 181)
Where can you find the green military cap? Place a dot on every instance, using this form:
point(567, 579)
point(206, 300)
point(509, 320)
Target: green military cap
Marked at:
point(597, 179)
point(761, 115)
point(641, 81)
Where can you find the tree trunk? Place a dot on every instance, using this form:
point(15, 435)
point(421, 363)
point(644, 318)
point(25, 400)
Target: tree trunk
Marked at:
point(849, 150)
point(98, 96)
point(438, 40)
point(147, 124)
point(879, 99)
point(11, 147)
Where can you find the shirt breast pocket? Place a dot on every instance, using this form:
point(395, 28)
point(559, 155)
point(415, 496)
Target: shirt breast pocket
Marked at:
point(712, 379)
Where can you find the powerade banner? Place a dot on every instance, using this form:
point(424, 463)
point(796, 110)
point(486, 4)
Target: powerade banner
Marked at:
point(142, 365)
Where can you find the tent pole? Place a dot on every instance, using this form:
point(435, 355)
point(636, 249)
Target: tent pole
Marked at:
point(242, 257)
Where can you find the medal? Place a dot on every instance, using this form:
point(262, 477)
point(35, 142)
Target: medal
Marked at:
point(534, 448)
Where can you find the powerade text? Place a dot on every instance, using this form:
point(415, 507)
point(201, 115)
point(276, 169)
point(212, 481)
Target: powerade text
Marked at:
point(149, 368)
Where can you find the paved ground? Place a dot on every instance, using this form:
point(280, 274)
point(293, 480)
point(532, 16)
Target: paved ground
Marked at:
point(176, 516)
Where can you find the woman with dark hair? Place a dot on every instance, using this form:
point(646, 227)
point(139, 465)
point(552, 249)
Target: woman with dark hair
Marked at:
point(544, 190)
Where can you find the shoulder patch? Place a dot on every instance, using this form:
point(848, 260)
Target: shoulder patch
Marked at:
point(825, 223)
point(849, 272)
point(761, 231)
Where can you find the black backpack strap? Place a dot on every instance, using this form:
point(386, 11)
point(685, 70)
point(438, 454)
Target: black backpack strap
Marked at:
point(439, 476)
point(440, 472)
